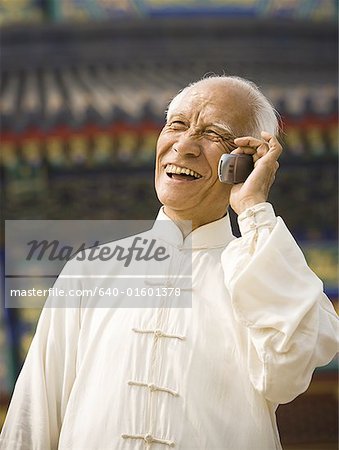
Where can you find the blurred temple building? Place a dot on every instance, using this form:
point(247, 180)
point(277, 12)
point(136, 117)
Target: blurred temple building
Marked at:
point(83, 92)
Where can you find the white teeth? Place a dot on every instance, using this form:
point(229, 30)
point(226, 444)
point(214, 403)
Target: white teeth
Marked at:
point(172, 168)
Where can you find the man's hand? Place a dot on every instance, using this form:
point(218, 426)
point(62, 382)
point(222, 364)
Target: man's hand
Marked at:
point(256, 188)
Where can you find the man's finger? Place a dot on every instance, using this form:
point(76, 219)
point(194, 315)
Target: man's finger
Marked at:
point(248, 141)
point(273, 143)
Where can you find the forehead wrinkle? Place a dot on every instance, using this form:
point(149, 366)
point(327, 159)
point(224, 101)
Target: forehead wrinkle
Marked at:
point(189, 93)
point(204, 104)
point(193, 114)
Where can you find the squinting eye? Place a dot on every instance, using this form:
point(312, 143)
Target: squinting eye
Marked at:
point(177, 124)
point(212, 132)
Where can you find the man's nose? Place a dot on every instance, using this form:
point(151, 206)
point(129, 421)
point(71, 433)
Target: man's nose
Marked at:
point(187, 144)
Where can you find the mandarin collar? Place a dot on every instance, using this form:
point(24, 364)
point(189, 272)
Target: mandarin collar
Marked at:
point(212, 235)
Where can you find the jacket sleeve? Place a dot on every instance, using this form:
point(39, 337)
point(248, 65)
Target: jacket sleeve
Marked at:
point(42, 390)
point(291, 325)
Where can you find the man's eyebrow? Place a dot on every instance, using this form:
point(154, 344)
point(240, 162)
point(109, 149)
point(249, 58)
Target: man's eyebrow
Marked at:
point(170, 115)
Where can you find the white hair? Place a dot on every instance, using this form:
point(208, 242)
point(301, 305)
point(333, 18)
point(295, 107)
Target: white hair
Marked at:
point(265, 117)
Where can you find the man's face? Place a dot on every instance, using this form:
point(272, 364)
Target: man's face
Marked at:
point(202, 123)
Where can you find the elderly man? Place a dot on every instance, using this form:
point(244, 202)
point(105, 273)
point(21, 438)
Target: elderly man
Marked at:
point(207, 377)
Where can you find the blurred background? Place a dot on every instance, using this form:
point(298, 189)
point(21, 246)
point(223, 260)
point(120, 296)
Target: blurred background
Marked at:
point(84, 86)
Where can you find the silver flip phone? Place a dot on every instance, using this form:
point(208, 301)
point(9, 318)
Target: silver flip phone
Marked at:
point(233, 168)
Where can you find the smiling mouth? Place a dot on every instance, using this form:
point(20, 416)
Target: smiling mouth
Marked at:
point(181, 173)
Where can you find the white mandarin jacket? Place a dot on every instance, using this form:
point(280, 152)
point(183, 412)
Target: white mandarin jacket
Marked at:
point(205, 377)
